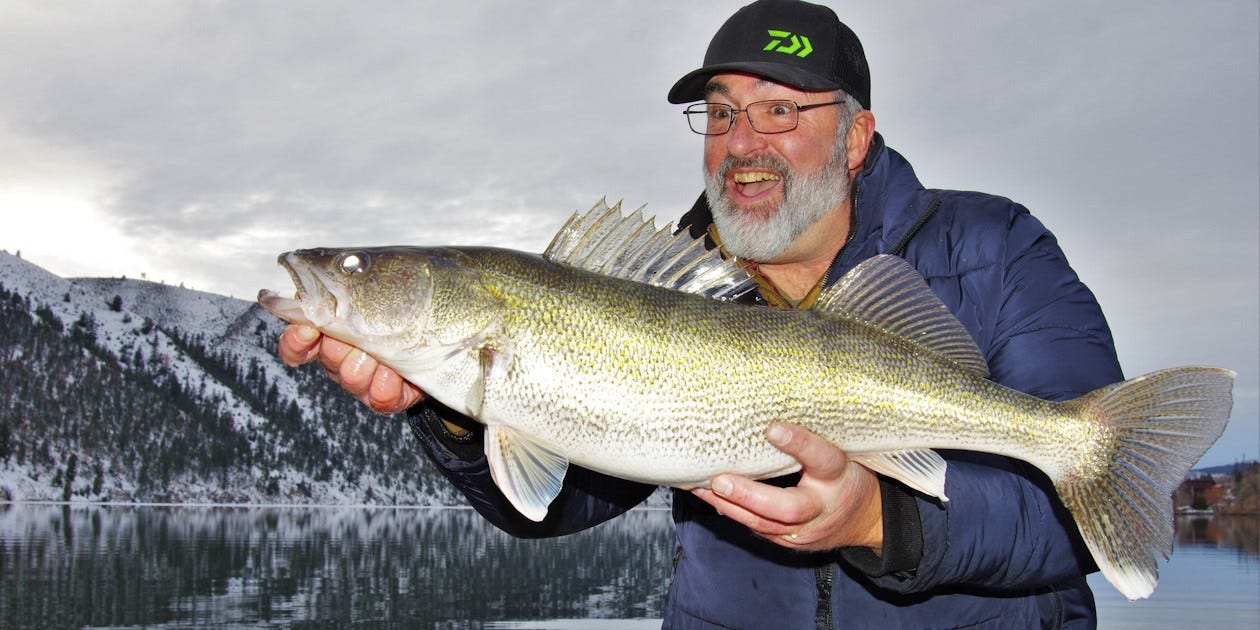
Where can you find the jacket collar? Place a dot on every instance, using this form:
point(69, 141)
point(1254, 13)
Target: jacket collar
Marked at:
point(887, 200)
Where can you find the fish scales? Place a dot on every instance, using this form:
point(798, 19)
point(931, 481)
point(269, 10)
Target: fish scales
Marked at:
point(673, 355)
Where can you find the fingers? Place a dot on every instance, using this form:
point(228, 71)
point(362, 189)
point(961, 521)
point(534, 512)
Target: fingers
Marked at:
point(332, 354)
point(354, 368)
point(390, 393)
point(766, 504)
point(834, 504)
point(298, 344)
point(819, 458)
point(772, 512)
point(377, 386)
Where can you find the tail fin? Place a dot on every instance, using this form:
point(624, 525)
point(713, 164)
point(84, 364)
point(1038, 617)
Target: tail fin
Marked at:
point(1156, 427)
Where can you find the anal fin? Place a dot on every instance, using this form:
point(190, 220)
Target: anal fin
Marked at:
point(921, 469)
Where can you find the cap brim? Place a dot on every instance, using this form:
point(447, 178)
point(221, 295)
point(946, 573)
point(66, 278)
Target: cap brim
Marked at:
point(691, 86)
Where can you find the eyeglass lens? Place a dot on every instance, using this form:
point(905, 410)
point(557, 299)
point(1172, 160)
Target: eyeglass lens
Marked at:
point(764, 116)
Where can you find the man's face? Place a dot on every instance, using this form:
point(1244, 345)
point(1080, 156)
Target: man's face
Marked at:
point(765, 189)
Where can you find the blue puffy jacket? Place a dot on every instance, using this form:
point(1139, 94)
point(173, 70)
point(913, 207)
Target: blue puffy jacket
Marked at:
point(1002, 553)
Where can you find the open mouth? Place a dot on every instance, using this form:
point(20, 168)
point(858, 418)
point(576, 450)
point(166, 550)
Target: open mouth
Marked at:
point(316, 302)
point(754, 183)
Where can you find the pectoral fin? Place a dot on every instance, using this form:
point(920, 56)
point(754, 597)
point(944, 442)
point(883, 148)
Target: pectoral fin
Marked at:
point(493, 360)
point(920, 469)
point(528, 474)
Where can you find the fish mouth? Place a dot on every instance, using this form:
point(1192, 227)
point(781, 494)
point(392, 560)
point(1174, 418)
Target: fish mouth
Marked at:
point(319, 301)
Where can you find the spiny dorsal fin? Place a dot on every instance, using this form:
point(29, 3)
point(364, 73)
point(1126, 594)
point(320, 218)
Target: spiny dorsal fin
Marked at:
point(886, 292)
point(631, 248)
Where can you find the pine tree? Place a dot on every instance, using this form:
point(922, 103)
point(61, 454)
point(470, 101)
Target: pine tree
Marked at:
point(68, 488)
point(6, 440)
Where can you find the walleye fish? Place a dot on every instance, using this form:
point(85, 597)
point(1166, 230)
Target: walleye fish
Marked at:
point(618, 350)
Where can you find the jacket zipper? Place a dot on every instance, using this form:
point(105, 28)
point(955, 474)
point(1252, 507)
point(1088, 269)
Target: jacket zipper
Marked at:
point(824, 619)
point(853, 226)
point(1058, 609)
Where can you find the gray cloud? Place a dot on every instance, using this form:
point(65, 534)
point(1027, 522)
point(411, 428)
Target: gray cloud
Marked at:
point(230, 131)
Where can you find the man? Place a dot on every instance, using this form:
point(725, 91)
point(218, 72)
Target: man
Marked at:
point(801, 188)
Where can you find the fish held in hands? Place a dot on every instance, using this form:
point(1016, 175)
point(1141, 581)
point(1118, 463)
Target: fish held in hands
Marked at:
point(619, 350)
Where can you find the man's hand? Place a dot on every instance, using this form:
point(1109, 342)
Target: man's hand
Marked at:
point(377, 386)
point(835, 504)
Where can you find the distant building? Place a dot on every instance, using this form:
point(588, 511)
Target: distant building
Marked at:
point(1200, 493)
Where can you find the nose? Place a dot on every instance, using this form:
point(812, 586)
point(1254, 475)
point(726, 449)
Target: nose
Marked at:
point(742, 139)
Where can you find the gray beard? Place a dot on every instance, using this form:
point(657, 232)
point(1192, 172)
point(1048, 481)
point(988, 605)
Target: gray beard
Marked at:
point(751, 234)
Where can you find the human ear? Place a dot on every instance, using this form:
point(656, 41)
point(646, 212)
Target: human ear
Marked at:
point(861, 133)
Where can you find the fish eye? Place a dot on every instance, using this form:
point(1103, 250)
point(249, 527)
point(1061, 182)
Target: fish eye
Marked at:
point(354, 262)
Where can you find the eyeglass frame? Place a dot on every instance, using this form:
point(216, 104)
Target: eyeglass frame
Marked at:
point(735, 111)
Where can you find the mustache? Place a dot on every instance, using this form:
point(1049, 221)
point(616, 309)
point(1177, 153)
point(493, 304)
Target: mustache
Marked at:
point(761, 162)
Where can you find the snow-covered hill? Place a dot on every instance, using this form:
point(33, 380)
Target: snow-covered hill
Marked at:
point(117, 389)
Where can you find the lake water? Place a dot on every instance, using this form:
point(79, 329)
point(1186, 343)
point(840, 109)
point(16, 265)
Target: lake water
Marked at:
point(112, 566)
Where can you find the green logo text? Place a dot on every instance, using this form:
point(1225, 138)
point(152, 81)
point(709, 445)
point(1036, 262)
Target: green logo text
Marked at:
point(799, 44)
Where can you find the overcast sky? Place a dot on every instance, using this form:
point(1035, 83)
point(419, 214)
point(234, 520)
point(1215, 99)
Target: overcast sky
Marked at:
point(193, 142)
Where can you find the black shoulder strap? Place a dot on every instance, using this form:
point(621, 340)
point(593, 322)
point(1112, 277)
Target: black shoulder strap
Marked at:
point(900, 248)
point(696, 220)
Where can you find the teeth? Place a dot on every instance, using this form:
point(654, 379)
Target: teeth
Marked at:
point(761, 176)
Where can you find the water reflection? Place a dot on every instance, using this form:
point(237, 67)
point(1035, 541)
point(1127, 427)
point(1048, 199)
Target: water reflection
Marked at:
point(1211, 580)
point(115, 566)
point(1232, 532)
point(340, 567)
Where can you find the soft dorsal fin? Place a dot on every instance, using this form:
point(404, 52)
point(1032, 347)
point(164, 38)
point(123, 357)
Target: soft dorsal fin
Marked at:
point(886, 292)
point(632, 248)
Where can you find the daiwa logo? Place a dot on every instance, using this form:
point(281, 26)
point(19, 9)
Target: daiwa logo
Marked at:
point(799, 45)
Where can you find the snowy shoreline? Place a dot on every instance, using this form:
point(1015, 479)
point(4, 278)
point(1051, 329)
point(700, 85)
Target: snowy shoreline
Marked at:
point(374, 506)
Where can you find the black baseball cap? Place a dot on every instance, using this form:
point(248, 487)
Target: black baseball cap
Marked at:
point(791, 42)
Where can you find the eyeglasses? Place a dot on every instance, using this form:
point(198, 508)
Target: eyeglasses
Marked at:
point(715, 119)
